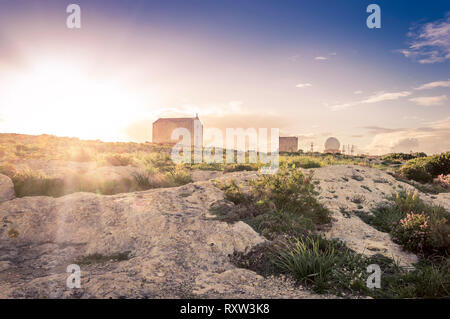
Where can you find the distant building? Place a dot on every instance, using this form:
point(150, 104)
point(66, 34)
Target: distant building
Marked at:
point(332, 145)
point(163, 128)
point(288, 144)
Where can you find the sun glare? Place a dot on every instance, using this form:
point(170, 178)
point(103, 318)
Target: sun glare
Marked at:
point(64, 100)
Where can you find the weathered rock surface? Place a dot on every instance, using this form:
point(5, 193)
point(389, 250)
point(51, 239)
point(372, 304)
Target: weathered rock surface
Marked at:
point(6, 188)
point(176, 249)
point(346, 189)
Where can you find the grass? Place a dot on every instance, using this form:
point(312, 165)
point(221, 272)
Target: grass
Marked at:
point(321, 160)
point(97, 258)
point(427, 240)
point(430, 279)
point(30, 183)
point(271, 225)
point(154, 160)
point(328, 266)
point(428, 188)
point(282, 203)
point(324, 265)
point(424, 169)
point(282, 207)
point(279, 207)
point(358, 199)
point(119, 160)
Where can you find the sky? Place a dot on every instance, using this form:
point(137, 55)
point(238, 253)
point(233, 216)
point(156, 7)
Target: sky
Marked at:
point(313, 69)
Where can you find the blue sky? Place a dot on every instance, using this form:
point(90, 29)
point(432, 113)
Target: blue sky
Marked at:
point(311, 68)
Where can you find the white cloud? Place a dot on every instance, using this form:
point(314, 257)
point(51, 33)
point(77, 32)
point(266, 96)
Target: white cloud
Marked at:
point(429, 42)
point(358, 92)
point(379, 97)
point(429, 100)
point(432, 85)
point(303, 85)
point(386, 97)
point(320, 58)
point(431, 139)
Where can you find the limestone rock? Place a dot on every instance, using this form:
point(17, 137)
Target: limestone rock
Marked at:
point(167, 238)
point(6, 188)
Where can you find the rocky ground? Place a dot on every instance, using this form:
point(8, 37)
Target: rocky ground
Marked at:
point(173, 247)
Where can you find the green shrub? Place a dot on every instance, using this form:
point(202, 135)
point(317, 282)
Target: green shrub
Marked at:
point(413, 231)
point(143, 179)
point(119, 160)
point(300, 161)
point(178, 177)
point(29, 183)
point(417, 226)
point(290, 192)
point(233, 192)
point(325, 265)
point(273, 224)
point(161, 161)
point(402, 156)
point(442, 181)
point(439, 164)
point(240, 167)
point(97, 258)
point(429, 279)
point(424, 169)
point(416, 171)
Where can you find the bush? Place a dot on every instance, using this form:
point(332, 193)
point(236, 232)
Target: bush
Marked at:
point(178, 177)
point(423, 169)
point(442, 181)
point(29, 183)
point(300, 161)
point(413, 231)
point(97, 258)
point(439, 164)
point(277, 205)
point(430, 279)
point(418, 227)
point(273, 224)
point(416, 170)
point(290, 192)
point(325, 265)
point(232, 192)
point(119, 160)
point(240, 167)
point(402, 156)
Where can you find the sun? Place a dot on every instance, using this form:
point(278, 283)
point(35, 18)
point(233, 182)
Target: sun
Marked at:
point(68, 100)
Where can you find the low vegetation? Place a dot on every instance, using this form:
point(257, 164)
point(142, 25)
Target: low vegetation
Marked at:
point(279, 204)
point(424, 169)
point(425, 230)
point(420, 228)
point(283, 208)
point(97, 258)
point(154, 167)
